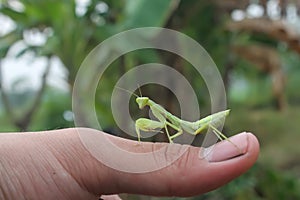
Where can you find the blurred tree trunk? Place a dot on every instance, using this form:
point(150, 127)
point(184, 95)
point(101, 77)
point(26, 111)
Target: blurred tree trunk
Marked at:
point(229, 66)
point(4, 97)
point(267, 60)
point(23, 122)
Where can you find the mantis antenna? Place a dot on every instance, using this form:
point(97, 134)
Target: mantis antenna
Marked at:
point(140, 90)
point(128, 91)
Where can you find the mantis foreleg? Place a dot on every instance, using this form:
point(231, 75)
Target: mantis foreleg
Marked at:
point(147, 125)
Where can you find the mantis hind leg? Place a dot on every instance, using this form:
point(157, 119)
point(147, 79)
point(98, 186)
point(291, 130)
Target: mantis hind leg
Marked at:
point(218, 133)
point(221, 136)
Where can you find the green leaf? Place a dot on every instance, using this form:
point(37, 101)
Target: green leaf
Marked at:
point(144, 13)
point(7, 41)
point(14, 15)
point(51, 46)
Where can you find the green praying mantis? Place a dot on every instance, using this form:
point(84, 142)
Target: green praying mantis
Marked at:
point(166, 119)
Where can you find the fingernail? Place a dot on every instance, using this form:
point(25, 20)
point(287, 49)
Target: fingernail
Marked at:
point(224, 150)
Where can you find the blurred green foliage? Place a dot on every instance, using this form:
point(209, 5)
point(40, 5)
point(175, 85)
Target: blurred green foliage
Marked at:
point(71, 35)
point(261, 182)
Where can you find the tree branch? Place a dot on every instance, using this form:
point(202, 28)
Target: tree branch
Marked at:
point(275, 29)
point(24, 122)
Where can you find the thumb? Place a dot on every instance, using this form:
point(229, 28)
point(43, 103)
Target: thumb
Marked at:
point(113, 165)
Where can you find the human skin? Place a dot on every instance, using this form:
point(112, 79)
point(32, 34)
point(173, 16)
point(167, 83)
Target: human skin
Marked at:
point(56, 165)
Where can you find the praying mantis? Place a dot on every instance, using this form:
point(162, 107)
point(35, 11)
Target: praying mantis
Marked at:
point(167, 119)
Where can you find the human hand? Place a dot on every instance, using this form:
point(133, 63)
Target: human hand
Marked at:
point(56, 165)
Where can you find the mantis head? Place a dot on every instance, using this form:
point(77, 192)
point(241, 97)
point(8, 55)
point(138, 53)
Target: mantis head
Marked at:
point(142, 101)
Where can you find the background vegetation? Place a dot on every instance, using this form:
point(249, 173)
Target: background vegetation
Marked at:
point(255, 45)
